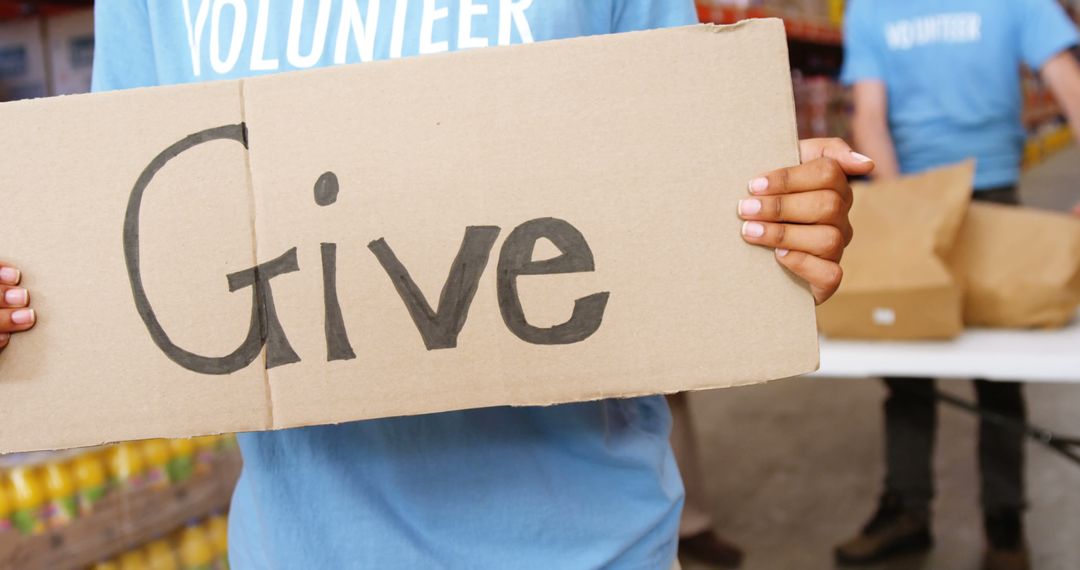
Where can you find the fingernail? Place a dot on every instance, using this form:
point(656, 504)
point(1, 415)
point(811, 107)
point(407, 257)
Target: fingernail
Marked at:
point(9, 275)
point(749, 207)
point(861, 157)
point(753, 229)
point(15, 297)
point(758, 185)
point(23, 316)
point(781, 252)
point(4, 337)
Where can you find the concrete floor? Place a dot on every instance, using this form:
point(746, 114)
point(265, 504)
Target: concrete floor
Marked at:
point(795, 466)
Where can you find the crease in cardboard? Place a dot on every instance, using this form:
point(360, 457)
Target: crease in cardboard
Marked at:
point(252, 217)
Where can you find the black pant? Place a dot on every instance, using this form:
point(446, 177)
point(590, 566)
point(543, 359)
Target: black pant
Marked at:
point(911, 425)
point(910, 428)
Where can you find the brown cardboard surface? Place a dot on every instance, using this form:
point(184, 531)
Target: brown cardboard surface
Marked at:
point(640, 143)
point(897, 284)
point(1020, 267)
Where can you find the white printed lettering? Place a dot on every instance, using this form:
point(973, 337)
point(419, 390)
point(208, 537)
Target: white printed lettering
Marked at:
point(223, 65)
point(318, 40)
point(956, 28)
point(514, 11)
point(466, 12)
point(195, 33)
point(397, 36)
point(428, 17)
point(258, 48)
point(351, 22)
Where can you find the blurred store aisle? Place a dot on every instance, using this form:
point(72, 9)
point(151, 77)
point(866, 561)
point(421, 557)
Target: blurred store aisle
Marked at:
point(795, 466)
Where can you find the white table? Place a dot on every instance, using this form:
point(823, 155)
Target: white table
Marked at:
point(993, 354)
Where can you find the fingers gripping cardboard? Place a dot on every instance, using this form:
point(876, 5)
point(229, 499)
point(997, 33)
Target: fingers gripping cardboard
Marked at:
point(515, 226)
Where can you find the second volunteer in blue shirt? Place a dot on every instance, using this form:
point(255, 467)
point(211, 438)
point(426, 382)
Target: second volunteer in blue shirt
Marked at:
point(586, 485)
point(937, 82)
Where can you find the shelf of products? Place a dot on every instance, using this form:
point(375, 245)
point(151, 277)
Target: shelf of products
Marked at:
point(820, 27)
point(77, 508)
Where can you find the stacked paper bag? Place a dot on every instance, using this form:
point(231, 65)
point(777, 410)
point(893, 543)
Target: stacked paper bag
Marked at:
point(925, 262)
point(1020, 267)
point(897, 283)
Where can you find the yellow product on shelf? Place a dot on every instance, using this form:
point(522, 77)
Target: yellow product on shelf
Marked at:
point(196, 552)
point(28, 498)
point(217, 527)
point(206, 449)
point(156, 454)
point(182, 463)
point(105, 565)
point(90, 479)
point(126, 465)
point(133, 560)
point(160, 556)
point(63, 504)
point(5, 509)
point(836, 12)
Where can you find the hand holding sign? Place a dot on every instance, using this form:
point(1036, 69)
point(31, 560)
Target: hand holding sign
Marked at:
point(802, 212)
point(14, 300)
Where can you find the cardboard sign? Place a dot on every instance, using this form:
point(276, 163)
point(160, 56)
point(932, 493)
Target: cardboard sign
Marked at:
point(517, 226)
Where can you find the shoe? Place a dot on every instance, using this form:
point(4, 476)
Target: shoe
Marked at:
point(1007, 558)
point(893, 531)
point(1005, 535)
point(708, 547)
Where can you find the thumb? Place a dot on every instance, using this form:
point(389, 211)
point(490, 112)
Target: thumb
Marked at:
point(853, 163)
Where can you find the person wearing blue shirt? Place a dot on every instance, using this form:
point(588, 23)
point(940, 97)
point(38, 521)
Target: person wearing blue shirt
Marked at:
point(936, 82)
point(588, 485)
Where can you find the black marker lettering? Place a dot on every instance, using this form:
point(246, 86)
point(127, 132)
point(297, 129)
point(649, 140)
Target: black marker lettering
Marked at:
point(440, 329)
point(264, 327)
point(278, 349)
point(337, 339)
point(516, 259)
point(326, 189)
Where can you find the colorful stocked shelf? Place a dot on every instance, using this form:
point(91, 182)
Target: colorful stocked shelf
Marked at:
point(84, 507)
point(799, 28)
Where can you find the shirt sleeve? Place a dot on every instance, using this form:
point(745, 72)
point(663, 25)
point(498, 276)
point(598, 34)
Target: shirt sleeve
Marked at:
point(862, 45)
point(123, 46)
point(1047, 31)
point(634, 15)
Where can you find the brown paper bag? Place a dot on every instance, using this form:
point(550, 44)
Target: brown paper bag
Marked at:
point(897, 284)
point(1020, 267)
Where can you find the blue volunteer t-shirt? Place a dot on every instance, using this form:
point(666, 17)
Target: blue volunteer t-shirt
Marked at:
point(577, 486)
point(951, 69)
